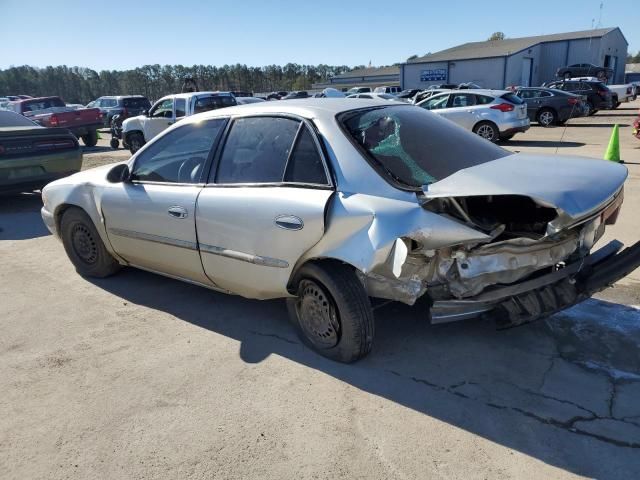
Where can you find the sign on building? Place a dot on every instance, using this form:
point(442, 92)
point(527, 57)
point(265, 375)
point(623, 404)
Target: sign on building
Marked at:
point(435, 74)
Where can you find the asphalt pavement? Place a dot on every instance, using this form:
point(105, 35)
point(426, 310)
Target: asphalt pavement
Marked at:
point(141, 376)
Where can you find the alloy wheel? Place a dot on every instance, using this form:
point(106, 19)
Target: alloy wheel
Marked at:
point(486, 132)
point(546, 118)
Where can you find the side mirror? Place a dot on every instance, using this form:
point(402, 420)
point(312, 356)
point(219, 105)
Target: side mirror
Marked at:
point(119, 174)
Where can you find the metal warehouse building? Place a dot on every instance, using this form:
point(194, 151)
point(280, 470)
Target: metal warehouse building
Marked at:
point(363, 77)
point(527, 61)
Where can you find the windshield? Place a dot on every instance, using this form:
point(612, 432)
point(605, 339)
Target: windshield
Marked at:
point(12, 119)
point(413, 147)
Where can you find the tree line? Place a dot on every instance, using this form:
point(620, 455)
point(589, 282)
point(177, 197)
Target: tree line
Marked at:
point(81, 85)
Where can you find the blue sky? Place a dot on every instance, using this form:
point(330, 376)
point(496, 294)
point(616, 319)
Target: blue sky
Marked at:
point(119, 34)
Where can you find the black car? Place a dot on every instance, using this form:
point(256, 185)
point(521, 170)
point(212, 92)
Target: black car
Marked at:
point(549, 106)
point(277, 95)
point(598, 95)
point(299, 94)
point(124, 105)
point(584, 70)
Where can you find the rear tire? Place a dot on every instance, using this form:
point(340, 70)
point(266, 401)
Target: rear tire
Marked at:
point(332, 313)
point(135, 141)
point(488, 131)
point(115, 143)
point(546, 117)
point(84, 246)
point(90, 139)
point(590, 108)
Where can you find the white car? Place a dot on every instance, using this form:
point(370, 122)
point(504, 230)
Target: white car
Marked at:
point(492, 114)
point(137, 131)
point(374, 96)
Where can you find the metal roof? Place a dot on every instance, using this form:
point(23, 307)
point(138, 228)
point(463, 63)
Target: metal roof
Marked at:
point(508, 46)
point(370, 72)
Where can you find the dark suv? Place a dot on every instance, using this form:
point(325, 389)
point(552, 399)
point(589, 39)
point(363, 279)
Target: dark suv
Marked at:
point(598, 95)
point(125, 106)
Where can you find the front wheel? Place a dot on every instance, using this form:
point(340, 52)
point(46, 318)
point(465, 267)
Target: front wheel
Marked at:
point(136, 142)
point(487, 130)
point(115, 143)
point(332, 313)
point(84, 246)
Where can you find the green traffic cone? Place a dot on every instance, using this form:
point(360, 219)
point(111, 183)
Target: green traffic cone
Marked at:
point(613, 150)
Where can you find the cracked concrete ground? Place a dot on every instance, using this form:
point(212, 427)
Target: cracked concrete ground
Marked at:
point(139, 376)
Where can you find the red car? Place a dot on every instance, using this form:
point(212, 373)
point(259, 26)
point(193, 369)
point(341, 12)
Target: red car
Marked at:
point(52, 112)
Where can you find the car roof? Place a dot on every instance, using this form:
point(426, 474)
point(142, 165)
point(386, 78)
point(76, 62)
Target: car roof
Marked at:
point(195, 94)
point(321, 108)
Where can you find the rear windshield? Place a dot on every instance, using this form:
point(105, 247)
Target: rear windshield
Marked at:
point(412, 147)
point(12, 119)
point(137, 103)
point(204, 104)
point(513, 98)
point(41, 104)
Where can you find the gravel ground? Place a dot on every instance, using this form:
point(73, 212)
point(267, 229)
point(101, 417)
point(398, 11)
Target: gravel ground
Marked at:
point(140, 376)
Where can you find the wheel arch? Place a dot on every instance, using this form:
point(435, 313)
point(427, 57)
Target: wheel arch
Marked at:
point(293, 278)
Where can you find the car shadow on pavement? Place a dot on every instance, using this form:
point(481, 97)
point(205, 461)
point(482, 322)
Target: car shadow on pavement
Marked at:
point(542, 143)
point(563, 390)
point(98, 149)
point(20, 217)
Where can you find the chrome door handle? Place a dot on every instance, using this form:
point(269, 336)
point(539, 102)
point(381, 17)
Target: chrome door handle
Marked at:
point(178, 212)
point(289, 222)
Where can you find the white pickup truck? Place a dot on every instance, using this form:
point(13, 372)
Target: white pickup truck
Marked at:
point(137, 131)
point(621, 93)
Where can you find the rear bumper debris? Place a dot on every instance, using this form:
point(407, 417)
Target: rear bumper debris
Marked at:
point(545, 295)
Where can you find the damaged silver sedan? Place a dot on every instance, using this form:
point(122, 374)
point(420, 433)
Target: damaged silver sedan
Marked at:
point(331, 204)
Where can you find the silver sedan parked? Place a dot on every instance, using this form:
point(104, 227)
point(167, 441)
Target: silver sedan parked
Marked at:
point(332, 203)
point(492, 114)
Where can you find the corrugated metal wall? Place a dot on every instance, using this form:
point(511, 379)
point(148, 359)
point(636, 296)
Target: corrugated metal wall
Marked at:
point(486, 72)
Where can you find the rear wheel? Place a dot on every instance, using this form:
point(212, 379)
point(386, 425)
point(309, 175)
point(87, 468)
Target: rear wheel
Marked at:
point(487, 130)
point(84, 246)
point(136, 142)
point(332, 313)
point(546, 117)
point(90, 139)
point(590, 109)
point(115, 143)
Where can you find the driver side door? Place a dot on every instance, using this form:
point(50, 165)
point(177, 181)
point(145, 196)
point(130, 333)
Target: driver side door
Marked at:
point(150, 219)
point(161, 116)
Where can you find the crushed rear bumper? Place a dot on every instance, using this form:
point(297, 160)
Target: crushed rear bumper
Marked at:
point(547, 294)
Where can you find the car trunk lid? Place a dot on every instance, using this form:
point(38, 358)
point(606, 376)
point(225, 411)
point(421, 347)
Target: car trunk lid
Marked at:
point(575, 186)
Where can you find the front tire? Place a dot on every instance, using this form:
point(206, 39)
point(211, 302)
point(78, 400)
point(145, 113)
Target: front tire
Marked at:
point(546, 117)
point(115, 143)
point(488, 131)
point(84, 246)
point(136, 142)
point(332, 313)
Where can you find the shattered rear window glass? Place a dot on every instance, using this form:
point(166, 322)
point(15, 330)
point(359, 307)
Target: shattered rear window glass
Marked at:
point(416, 147)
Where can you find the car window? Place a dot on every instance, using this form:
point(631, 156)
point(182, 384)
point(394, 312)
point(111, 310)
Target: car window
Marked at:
point(108, 102)
point(180, 155)
point(204, 104)
point(544, 94)
point(305, 163)
point(407, 146)
point(436, 102)
point(162, 109)
point(483, 99)
point(513, 98)
point(181, 106)
point(463, 100)
point(529, 93)
point(365, 96)
point(256, 150)
point(137, 103)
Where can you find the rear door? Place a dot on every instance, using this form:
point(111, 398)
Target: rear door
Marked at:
point(461, 110)
point(264, 205)
point(532, 98)
point(150, 220)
